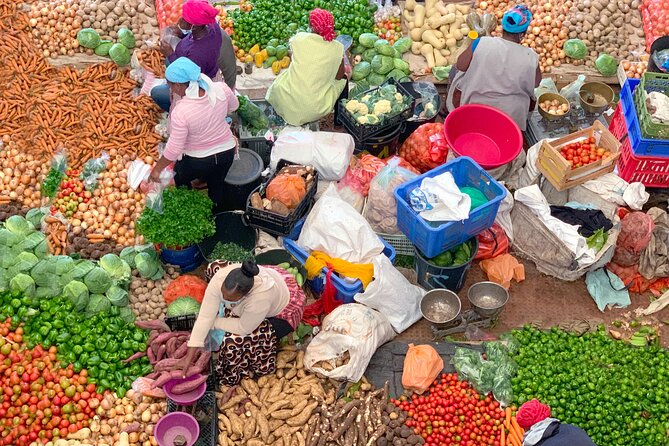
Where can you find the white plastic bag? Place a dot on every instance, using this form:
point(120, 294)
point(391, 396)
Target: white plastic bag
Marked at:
point(338, 230)
point(392, 295)
point(351, 328)
point(330, 153)
point(439, 199)
point(381, 207)
point(614, 189)
point(570, 92)
point(137, 172)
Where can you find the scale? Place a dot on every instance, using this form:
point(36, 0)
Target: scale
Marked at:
point(463, 321)
point(539, 128)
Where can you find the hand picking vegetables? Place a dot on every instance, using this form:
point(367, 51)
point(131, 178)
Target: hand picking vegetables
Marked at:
point(584, 152)
point(615, 391)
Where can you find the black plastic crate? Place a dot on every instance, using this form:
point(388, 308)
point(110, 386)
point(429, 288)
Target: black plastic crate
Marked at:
point(361, 132)
point(181, 323)
point(206, 414)
point(275, 224)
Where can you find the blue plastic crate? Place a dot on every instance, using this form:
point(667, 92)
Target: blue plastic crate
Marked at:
point(640, 145)
point(345, 290)
point(433, 239)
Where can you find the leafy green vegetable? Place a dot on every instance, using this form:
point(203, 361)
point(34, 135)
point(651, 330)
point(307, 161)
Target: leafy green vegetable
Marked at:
point(19, 225)
point(606, 64)
point(382, 64)
point(52, 182)
point(575, 48)
point(103, 48)
point(182, 306)
point(117, 296)
point(361, 71)
point(22, 283)
point(383, 47)
point(97, 303)
point(252, 116)
point(402, 45)
point(126, 38)
point(77, 293)
point(88, 38)
point(117, 269)
point(81, 268)
point(367, 40)
point(119, 54)
point(457, 256)
point(25, 262)
point(230, 252)
point(98, 281)
point(35, 216)
point(149, 265)
point(186, 219)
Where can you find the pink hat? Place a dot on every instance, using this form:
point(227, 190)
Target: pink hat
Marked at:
point(199, 12)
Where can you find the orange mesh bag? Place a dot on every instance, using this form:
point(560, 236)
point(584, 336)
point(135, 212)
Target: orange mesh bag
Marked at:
point(185, 285)
point(422, 365)
point(288, 189)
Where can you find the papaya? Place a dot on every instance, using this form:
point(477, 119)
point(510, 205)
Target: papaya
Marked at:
point(285, 62)
point(269, 61)
point(258, 59)
point(276, 67)
point(281, 52)
point(271, 50)
point(254, 49)
point(248, 58)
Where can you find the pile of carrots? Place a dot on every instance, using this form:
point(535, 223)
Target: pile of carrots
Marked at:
point(152, 60)
point(515, 434)
point(57, 238)
point(44, 109)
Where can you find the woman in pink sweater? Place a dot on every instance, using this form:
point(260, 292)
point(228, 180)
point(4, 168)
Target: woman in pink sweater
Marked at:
point(201, 143)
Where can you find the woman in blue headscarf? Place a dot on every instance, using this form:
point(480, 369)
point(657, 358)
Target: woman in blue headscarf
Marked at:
point(498, 72)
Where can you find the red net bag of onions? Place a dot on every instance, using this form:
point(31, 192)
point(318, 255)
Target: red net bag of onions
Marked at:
point(426, 148)
point(655, 15)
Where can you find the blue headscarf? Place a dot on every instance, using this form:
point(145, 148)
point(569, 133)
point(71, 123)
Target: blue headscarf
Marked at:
point(517, 19)
point(183, 70)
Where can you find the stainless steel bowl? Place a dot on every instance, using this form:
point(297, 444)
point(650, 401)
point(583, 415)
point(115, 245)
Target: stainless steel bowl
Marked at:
point(487, 298)
point(441, 307)
point(595, 97)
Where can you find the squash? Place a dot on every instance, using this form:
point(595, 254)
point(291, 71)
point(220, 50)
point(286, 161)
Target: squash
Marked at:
point(276, 67)
point(254, 49)
point(260, 58)
point(268, 63)
point(285, 62)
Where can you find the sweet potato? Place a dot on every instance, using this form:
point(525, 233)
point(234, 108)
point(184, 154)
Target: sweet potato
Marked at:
point(189, 386)
point(283, 414)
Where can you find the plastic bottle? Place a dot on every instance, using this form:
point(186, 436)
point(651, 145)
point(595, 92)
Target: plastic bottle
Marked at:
point(472, 37)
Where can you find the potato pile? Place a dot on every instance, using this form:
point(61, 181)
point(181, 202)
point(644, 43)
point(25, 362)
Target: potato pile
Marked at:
point(605, 27)
point(436, 29)
point(107, 16)
point(54, 25)
point(280, 409)
point(554, 107)
point(146, 296)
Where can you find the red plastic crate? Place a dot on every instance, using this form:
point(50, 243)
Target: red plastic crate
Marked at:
point(651, 171)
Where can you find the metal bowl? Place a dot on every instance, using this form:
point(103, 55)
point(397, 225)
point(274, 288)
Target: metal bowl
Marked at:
point(595, 97)
point(549, 97)
point(487, 298)
point(440, 307)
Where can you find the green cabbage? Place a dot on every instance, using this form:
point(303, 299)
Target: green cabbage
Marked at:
point(25, 262)
point(42, 249)
point(575, 48)
point(396, 75)
point(401, 65)
point(360, 87)
point(88, 38)
point(77, 292)
point(375, 79)
point(369, 54)
point(81, 268)
point(6, 257)
point(119, 54)
point(115, 267)
point(357, 50)
point(30, 242)
point(4, 281)
point(19, 225)
point(22, 283)
point(361, 71)
point(46, 292)
point(117, 296)
point(403, 45)
point(103, 48)
point(149, 265)
point(382, 64)
point(368, 39)
point(98, 281)
point(35, 216)
point(183, 306)
point(61, 264)
point(9, 238)
point(606, 64)
point(383, 47)
point(128, 256)
point(126, 38)
point(43, 273)
point(127, 315)
point(97, 303)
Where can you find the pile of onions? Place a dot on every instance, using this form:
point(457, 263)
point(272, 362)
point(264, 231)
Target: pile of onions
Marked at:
point(636, 69)
point(114, 207)
point(54, 26)
point(19, 174)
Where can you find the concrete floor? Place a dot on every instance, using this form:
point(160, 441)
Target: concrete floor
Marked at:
point(545, 301)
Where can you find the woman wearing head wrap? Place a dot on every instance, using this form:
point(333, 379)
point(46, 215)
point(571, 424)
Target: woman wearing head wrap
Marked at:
point(245, 312)
point(499, 72)
point(542, 430)
point(200, 143)
point(316, 77)
point(200, 39)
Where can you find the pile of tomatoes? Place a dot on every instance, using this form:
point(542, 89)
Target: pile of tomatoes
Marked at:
point(453, 413)
point(584, 152)
point(71, 192)
point(39, 400)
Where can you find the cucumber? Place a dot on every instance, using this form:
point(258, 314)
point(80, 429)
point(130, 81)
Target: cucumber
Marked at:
point(284, 265)
point(299, 279)
point(293, 271)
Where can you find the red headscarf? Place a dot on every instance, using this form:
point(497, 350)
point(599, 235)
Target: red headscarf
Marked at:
point(199, 12)
point(322, 23)
point(531, 413)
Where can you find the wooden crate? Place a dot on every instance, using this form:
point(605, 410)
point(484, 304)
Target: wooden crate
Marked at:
point(558, 170)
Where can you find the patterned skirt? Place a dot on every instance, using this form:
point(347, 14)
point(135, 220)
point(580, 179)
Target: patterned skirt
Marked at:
point(254, 355)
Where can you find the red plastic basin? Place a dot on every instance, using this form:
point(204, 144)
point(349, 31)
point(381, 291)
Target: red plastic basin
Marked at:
point(174, 424)
point(487, 135)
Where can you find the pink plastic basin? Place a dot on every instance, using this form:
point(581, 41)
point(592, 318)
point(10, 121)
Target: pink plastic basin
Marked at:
point(185, 399)
point(174, 424)
point(488, 136)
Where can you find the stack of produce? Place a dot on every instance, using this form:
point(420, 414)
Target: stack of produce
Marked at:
point(613, 390)
point(274, 56)
point(146, 295)
point(42, 399)
point(436, 29)
point(152, 60)
point(109, 18)
point(655, 19)
point(387, 23)
point(226, 22)
point(54, 25)
point(280, 19)
point(377, 106)
point(286, 190)
point(119, 51)
point(20, 175)
point(377, 60)
point(637, 68)
point(606, 28)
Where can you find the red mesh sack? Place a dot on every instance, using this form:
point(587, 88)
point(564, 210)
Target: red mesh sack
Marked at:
point(426, 148)
point(361, 171)
point(636, 229)
point(185, 285)
point(289, 189)
point(492, 242)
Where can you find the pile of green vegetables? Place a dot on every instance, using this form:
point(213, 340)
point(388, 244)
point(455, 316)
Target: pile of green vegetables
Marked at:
point(186, 219)
point(99, 343)
point(280, 19)
point(617, 392)
point(120, 52)
point(145, 260)
point(379, 61)
point(457, 256)
point(378, 105)
point(230, 252)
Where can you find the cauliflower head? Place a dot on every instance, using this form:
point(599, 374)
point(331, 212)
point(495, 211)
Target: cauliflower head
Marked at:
point(383, 106)
point(354, 107)
point(399, 97)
